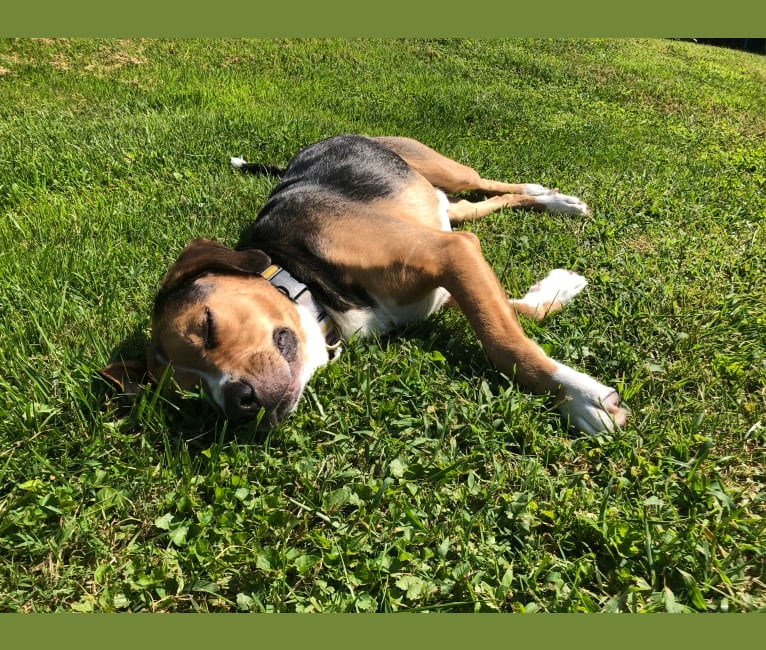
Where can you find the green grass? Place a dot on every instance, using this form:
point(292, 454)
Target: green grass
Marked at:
point(413, 476)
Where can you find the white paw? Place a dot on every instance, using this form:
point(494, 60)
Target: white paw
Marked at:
point(237, 162)
point(589, 406)
point(533, 189)
point(553, 201)
point(559, 285)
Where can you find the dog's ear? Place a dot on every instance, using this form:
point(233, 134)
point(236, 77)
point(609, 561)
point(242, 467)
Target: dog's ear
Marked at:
point(128, 376)
point(204, 256)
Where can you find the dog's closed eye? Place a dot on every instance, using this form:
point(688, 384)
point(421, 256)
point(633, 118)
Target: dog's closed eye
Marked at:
point(286, 342)
point(208, 330)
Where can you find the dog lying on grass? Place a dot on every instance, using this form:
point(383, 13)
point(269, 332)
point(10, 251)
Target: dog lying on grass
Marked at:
point(356, 239)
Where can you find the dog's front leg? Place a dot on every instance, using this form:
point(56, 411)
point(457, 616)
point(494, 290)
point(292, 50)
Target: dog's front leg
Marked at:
point(460, 267)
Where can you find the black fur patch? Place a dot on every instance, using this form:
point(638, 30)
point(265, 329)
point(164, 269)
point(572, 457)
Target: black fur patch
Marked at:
point(323, 182)
point(180, 298)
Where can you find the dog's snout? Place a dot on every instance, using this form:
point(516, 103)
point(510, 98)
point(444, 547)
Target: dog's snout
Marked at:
point(245, 395)
point(241, 400)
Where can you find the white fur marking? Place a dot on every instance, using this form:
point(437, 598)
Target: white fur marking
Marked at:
point(559, 284)
point(237, 162)
point(387, 315)
point(314, 344)
point(553, 201)
point(444, 211)
point(212, 382)
point(533, 189)
point(584, 400)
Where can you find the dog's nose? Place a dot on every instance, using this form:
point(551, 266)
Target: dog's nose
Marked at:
point(241, 400)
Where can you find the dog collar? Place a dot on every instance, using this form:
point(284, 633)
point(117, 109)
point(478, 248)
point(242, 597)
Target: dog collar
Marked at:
point(299, 293)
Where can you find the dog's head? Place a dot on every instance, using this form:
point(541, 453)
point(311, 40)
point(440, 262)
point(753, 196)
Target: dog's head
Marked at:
point(218, 325)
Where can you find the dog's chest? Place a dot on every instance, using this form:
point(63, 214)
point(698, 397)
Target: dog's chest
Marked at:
point(387, 315)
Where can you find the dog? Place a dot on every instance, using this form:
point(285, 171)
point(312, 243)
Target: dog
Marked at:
point(356, 239)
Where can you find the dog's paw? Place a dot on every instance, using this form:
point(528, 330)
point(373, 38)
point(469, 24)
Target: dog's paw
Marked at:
point(554, 201)
point(559, 285)
point(533, 189)
point(587, 404)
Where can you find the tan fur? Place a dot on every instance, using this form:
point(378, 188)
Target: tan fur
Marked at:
point(246, 314)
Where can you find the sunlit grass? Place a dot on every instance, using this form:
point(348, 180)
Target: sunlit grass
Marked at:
point(413, 476)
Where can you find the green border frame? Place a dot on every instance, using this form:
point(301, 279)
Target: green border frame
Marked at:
point(367, 631)
point(489, 18)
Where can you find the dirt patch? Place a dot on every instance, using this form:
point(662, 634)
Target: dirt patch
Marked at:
point(59, 62)
point(49, 41)
point(128, 53)
point(109, 55)
point(126, 58)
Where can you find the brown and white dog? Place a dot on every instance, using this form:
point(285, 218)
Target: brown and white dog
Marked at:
point(356, 239)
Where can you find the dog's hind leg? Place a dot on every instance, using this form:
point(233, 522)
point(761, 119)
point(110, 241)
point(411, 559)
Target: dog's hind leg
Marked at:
point(445, 173)
point(461, 210)
point(452, 177)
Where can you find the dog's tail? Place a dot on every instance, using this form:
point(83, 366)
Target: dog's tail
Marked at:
point(256, 168)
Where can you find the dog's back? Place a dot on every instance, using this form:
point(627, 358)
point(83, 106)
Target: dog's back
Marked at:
point(326, 186)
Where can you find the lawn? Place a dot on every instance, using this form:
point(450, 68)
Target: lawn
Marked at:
point(413, 476)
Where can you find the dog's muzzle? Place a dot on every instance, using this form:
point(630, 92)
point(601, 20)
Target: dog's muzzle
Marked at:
point(243, 400)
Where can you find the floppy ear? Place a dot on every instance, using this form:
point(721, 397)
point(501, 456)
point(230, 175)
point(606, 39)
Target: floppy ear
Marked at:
point(203, 255)
point(128, 376)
